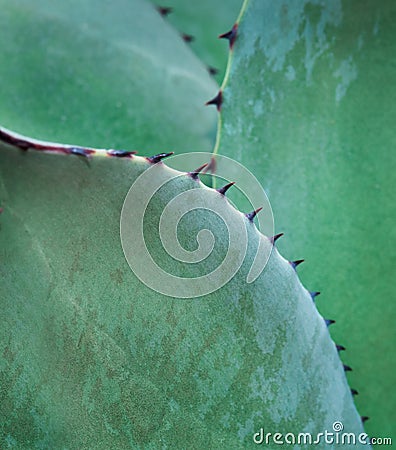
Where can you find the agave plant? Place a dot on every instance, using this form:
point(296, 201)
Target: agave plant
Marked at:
point(92, 357)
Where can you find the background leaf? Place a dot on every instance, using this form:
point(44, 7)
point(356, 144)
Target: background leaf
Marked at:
point(107, 74)
point(204, 21)
point(309, 107)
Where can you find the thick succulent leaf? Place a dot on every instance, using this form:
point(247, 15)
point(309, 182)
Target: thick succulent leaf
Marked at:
point(92, 358)
point(204, 21)
point(110, 74)
point(309, 107)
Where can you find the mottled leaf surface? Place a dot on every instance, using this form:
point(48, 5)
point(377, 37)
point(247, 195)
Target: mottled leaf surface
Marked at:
point(309, 107)
point(92, 358)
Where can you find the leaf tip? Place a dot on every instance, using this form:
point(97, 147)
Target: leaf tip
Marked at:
point(230, 35)
point(250, 216)
point(314, 294)
point(121, 153)
point(164, 10)
point(194, 174)
point(225, 188)
point(187, 37)
point(213, 71)
point(158, 158)
point(79, 151)
point(217, 101)
point(273, 239)
point(296, 263)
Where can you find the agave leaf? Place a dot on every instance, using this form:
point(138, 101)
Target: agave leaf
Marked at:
point(108, 74)
point(204, 21)
point(309, 107)
point(93, 358)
